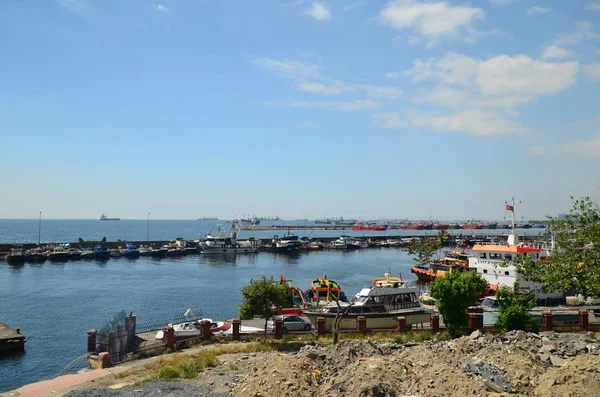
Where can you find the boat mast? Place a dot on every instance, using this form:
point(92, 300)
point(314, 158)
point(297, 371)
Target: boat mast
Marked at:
point(512, 238)
point(40, 229)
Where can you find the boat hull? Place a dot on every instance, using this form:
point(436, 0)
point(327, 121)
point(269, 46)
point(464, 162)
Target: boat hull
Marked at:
point(228, 250)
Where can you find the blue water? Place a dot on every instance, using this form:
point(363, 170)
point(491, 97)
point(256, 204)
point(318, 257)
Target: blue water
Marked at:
point(58, 230)
point(55, 304)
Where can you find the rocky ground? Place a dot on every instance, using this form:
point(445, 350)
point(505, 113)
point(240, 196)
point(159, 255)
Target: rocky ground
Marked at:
point(513, 364)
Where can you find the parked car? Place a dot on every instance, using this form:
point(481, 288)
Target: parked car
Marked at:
point(291, 323)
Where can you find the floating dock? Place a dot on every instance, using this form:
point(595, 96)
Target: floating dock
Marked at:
point(11, 340)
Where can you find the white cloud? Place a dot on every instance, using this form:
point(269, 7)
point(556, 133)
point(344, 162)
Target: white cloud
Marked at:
point(342, 106)
point(500, 76)
point(307, 78)
point(593, 6)
point(75, 6)
point(354, 5)
point(289, 68)
point(475, 122)
point(576, 147)
point(161, 8)
point(523, 76)
point(392, 75)
point(554, 52)
point(584, 30)
point(334, 88)
point(477, 96)
point(434, 20)
point(589, 148)
point(537, 10)
point(592, 71)
point(319, 11)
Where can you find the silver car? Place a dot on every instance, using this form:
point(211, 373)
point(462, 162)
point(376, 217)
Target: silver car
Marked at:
point(291, 323)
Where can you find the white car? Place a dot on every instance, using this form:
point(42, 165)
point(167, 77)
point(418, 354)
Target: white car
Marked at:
point(291, 323)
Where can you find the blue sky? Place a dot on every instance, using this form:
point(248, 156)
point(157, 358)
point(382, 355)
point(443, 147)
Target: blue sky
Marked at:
point(408, 109)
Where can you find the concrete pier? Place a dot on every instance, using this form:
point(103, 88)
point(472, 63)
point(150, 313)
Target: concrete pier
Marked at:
point(11, 340)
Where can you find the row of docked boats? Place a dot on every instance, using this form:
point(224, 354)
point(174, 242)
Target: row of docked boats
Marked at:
point(65, 252)
point(470, 225)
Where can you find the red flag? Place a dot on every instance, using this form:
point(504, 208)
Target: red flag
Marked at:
point(509, 207)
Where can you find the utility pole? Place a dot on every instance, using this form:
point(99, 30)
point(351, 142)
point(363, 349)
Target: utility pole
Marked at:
point(148, 228)
point(40, 229)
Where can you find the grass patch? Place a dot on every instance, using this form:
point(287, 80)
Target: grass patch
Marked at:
point(183, 365)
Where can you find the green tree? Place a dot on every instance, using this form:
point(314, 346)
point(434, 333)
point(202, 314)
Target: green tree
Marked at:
point(442, 237)
point(514, 309)
point(453, 295)
point(574, 263)
point(423, 249)
point(260, 296)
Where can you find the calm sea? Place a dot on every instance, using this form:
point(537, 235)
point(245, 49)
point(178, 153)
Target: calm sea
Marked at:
point(54, 304)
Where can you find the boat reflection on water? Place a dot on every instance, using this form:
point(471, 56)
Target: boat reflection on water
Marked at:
point(220, 259)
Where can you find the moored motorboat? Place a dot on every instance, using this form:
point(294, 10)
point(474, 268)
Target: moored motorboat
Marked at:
point(16, 255)
point(101, 252)
point(131, 251)
point(87, 253)
point(439, 268)
point(58, 253)
point(296, 302)
point(380, 306)
point(36, 255)
point(74, 254)
point(287, 244)
point(227, 243)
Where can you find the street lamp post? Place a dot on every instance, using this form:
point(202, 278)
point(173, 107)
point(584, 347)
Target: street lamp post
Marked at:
point(148, 228)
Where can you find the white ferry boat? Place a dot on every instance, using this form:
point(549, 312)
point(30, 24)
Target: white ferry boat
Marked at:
point(488, 259)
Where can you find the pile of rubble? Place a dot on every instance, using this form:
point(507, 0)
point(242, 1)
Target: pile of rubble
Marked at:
point(516, 363)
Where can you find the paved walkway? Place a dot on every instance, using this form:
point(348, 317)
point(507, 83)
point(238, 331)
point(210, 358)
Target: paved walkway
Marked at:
point(46, 387)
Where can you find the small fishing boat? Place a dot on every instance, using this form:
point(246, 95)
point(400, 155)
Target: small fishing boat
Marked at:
point(439, 268)
point(74, 254)
point(131, 251)
point(16, 255)
point(286, 244)
point(296, 302)
point(87, 253)
point(324, 290)
point(36, 255)
point(58, 253)
point(388, 281)
point(115, 253)
point(101, 252)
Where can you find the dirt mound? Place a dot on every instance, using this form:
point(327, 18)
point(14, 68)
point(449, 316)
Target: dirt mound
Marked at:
point(578, 377)
point(516, 363)
point(334, 358)
point(282, 376)
point(377, 376)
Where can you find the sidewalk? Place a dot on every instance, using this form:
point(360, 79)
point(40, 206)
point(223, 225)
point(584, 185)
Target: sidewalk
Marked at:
point(46, 387)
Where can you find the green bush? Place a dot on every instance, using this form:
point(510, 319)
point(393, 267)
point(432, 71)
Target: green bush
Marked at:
point(514, 310)
point(169, 373)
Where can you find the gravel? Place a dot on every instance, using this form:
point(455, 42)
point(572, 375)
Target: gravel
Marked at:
point(152, 389)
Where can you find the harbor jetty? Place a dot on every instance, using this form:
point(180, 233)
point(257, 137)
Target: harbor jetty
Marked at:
point(11, 340)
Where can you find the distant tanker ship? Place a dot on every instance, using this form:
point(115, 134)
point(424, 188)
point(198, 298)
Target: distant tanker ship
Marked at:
point(105, 218)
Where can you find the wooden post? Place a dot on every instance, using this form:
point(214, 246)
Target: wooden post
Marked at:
point(320, 326)
point(362, 324)
point(401, 324)
point(278, 328)
point(547, 316)
point(473, 321)
point(206, 332)
point(434, 322)
point(91, 341)
point(170, 336)
point(236, 323)
point(584, 319)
